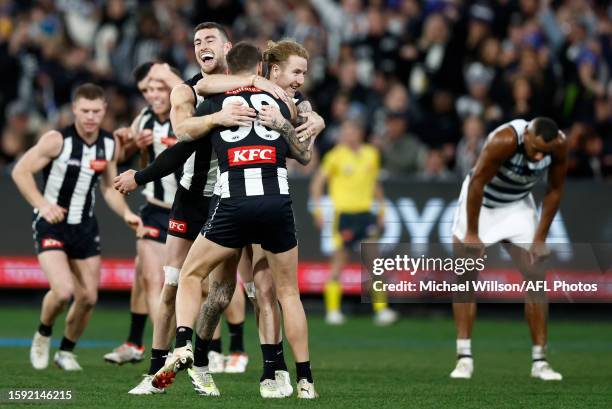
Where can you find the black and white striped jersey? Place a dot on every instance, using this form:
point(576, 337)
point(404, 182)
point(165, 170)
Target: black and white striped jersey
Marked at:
point(251, 158)
point(162, 189)
point(517, 175)
point(70, 179)
point(200, 170)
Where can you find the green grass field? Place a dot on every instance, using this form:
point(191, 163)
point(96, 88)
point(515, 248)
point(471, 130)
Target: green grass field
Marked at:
point(355, 366)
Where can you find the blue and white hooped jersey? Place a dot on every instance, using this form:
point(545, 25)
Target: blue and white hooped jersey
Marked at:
point(517, 175)
point(70, 180)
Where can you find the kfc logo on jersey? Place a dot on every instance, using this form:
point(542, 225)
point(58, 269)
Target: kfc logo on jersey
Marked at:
point(177, 226)
point(247, 155)
point(151, 232)
point(51, 244)
point(98, 165)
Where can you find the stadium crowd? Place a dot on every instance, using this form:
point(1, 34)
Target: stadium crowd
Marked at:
point(424, 80)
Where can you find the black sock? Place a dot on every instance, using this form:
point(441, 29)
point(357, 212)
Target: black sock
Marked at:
point(215, 345)
point(45, 330)
point(236, 337)
point(158, 358)
point(183, 334)
point(280, 357)
point(303, 371)
point(200, 354)
point(269, 361)
point(137, 326)
point(67, 345)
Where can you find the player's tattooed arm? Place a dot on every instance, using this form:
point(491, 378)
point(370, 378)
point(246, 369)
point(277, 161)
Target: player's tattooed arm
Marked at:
point(272, 118)
point(218, 299)
point(310, 124)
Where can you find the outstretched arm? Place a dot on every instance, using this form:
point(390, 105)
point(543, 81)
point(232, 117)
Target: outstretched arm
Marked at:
point(167, 162)
point(217, 83)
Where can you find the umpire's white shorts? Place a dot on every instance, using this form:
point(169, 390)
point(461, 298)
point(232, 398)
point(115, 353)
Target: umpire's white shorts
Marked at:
point(515, 222)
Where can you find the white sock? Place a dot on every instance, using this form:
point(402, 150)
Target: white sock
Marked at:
point(200, 368)
point(464, 347)
point(538, 352)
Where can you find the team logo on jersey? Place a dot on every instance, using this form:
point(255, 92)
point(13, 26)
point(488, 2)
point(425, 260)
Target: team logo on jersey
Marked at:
point(51, 244)
point(151, 232)
point(177, 226)
point(247, 155)
point(98, 165)
point(169, 140)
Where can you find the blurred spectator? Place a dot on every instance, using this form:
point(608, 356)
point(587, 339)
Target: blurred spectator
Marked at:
point(478, 79)
point(402, 152)
point(435, 169)
point(17, 136)
point(586, 157)
point(441, 63)
point(470, 145)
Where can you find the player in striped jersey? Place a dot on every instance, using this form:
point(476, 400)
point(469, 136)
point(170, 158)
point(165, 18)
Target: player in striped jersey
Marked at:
point(286, 63)
point(132, 350)
point(73, 160)
point(153, 135)
point(189, 209)
point(254, 207)
point(496, 205)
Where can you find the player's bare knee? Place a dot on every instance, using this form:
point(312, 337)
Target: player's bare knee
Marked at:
point(287, 292)
point(63, 295)
point(168, 296)
point(266, 295)
point(87, 300)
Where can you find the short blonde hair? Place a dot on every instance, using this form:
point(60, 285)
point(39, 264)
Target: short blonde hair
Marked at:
point(279, 52)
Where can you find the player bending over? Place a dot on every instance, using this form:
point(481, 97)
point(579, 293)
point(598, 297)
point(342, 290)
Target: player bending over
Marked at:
point(496, 205)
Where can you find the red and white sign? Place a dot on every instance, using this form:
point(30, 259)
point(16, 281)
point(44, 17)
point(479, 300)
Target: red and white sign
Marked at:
point(118, 274)
point(248, 155)
point(177, 226)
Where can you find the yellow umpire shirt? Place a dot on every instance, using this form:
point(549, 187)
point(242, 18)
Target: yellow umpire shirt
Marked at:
point(351, 177)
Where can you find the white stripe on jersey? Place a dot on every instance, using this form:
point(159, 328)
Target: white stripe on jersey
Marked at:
point(188, 169)
point(79, 196)
point(57, 173)
point(253, 185)
point(283, 183)
point(211, 178)
point(224, 185)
